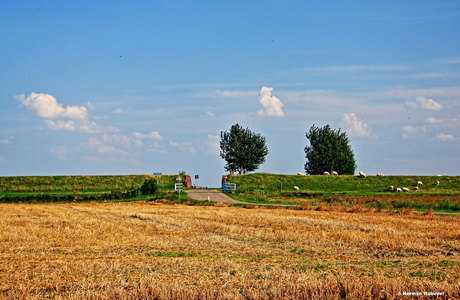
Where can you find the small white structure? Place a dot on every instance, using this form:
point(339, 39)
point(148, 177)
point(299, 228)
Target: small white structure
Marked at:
point(334, 173)
point(361, 174)
point(380, 174)
point(296, 188)
point(419, 183)
point(326, 173)
point(404, 189)
point(398, 190)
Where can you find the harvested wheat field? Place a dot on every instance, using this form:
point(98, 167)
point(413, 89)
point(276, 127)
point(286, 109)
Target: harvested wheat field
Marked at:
point(156, 251)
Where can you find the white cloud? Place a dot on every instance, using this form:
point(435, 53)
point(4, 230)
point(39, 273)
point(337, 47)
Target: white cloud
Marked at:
point(113, 143)
point(209, 114)
point(79, 125)
point(61, 125)
point(355, 125)
point(62, 151)
point(433, 120)
point(118, 111)
point(5, 141)
point(446, 137)
point(226, 94)
point(424, 103)
point(156, 148)
point(90, 105)
point(212, 145)
point(57, 117)
point(272, 105)
point(412, 130)
point(186, 147)
point(152, 135)
point(46, 106)
point(445, 93)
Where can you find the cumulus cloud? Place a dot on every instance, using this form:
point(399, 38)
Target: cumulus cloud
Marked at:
point(212, 145)
point(70, 118)
point(446, 137)
point(356, 126)
point(119, 111)
point(62, 151)
point(113, 143)
point(156, 148)
point(5, 141)
point(433, 120)
point(154, 135)
point(272, 105)
point(424, 103)
point(210, 113)
point(46, 106)
point(186, 147)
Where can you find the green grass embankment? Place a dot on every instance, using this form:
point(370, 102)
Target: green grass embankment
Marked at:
point(371, 191)
point(42, 189)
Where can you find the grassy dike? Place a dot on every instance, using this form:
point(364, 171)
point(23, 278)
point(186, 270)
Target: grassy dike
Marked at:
point(42, 189)
point(350, 190)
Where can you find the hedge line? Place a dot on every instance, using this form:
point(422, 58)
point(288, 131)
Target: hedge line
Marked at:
point(40, 198)
point(149, 187)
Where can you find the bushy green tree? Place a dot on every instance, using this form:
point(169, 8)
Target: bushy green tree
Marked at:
point(329, 150)
point(243, 150)
point(149, 187)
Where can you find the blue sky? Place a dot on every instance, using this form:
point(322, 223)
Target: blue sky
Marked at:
point(136, 87)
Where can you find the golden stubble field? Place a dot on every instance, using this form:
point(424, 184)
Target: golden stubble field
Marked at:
point(149, 250)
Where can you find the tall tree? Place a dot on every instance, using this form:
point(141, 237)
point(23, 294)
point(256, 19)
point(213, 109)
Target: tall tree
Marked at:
point(329, 150)
point(243, 150)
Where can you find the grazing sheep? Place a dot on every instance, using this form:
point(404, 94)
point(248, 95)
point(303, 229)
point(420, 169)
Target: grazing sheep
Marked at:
point(398, 190)
point(380, 174)
point(361, 174)
point(405, 189)
point(300, 174)
point(391, 188)
point(419, 183)
point(296, 188)
point(437, 182)
point(334, 173)
point(416, 188)
point(326, 173)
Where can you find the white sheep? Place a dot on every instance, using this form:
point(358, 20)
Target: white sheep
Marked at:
point(326, 173)
point(380, 174)
point(405, 189)
point(391, 188)
point(334, 173)
point(398, 190)
point(296, 188)
point(416, 188)
point(437, 182)
point(419, 183)
point(361, 174)
point(300, 174)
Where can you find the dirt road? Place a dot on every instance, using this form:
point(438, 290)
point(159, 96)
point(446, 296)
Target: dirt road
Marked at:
point(214, 196)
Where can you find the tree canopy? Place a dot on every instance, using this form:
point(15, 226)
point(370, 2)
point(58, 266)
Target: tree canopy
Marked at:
point(329, 150)
point(243, 150)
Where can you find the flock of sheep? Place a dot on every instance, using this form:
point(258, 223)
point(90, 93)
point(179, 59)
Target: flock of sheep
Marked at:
point(361, 174)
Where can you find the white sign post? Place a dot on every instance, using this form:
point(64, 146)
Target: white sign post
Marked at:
point(178, 188)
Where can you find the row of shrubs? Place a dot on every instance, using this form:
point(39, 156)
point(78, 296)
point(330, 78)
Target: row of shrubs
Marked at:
point(149, 187)
point(442, 205)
